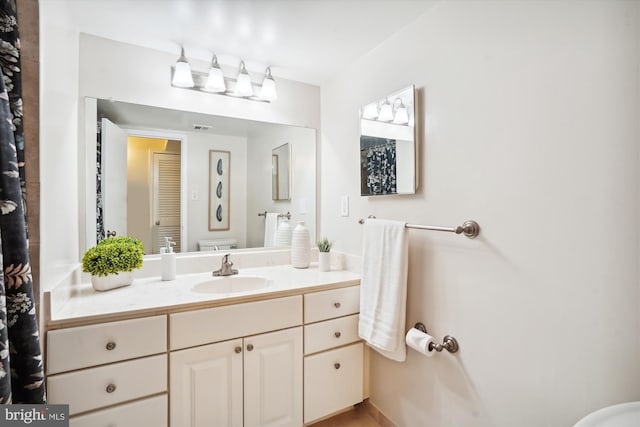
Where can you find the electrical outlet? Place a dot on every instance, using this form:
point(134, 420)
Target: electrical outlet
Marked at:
point(194, 195)
point(344, 205)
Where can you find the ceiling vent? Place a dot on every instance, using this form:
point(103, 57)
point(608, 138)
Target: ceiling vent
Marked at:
point(201, 127)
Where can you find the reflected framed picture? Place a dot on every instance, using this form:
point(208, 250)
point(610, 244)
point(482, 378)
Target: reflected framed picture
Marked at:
point(219, 197)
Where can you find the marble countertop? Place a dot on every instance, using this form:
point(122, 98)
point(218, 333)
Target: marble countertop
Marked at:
point(153, 296)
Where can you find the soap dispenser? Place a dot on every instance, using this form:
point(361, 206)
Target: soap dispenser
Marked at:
point(168, 260)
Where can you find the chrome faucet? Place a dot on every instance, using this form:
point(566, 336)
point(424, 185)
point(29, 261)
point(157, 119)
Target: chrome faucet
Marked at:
point(225, 268)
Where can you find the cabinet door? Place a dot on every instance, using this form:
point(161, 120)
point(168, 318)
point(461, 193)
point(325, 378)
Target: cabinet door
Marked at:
point(273, 379)
point(206, 385)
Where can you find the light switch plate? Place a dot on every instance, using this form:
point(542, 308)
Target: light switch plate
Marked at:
point(344, 205)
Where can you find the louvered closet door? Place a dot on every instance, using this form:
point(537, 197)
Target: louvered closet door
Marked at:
point(166, 199)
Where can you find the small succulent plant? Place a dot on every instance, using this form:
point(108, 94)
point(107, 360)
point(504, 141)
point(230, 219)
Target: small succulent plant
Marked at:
point(324, 245)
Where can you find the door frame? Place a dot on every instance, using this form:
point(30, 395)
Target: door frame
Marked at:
point(184, 199)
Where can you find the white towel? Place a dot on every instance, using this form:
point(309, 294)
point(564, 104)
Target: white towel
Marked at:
point(383, 288)
point(270, 227)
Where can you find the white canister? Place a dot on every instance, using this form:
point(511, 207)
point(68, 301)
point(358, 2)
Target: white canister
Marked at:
point(324, 261)
point(283, 234)
point(300, 246)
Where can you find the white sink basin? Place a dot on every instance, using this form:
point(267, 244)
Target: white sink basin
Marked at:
point(622, 415)
point(232, 284)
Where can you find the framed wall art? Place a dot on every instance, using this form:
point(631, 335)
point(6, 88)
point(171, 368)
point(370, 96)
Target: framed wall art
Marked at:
point(219, 197)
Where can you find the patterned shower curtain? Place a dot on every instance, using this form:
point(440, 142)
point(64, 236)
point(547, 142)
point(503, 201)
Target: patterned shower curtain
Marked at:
point(21, 373)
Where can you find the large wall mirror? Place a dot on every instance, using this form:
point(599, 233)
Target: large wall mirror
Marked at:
point(388, 145)
point(153, 168)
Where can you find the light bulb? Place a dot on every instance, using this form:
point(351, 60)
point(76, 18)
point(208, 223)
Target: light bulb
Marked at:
point(182, 73)
point(243, 85)
point(268, 90)
point(215, 80)
point(386, 112)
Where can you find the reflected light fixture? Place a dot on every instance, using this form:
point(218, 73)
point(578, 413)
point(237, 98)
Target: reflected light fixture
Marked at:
point(268, 90)
point(182, 75)
point(370, 112)
point(243, 85)
point(386, 111)
point(401, 115)
point(215, 79)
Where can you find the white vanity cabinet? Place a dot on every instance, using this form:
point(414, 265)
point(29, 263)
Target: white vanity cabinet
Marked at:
point(121, 365)
point(247, 380)
point(333, 362)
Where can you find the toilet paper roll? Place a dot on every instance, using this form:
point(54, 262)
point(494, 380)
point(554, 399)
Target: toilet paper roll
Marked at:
point(419, 341)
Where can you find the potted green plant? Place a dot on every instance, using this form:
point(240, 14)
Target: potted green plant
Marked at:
point(111, 262)
point(324, 256)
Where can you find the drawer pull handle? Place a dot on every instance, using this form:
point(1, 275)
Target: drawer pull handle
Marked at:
point(249, 347)
point(111, 388)
point(111, 345)
point(238, 349)
point(336, 304)
point(337, 334)
point(336, 365)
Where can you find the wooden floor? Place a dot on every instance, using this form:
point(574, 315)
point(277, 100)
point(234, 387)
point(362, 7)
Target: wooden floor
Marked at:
point(358, 417)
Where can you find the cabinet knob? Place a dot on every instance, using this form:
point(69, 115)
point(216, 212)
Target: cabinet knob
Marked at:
point(249, 347)
point(337, 334)
point(336, 304)
point(111, 345)
point(336, 365)
point(238, 349)
point(111, 388)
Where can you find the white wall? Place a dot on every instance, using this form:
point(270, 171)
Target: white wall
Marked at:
point(303, 183)
point(198, 181)
point(59, 231)
point(530, 127)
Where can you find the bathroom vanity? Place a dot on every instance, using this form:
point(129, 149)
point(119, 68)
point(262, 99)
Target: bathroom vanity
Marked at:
point(159, 353)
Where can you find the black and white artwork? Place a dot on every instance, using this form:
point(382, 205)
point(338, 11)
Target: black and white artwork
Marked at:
point(219, 197)
point(377, 166)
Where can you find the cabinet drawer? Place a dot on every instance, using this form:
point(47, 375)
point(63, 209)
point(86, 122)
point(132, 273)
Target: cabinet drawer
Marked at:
point(150, 412)
point(107, 385)
point(211, 325)
point(84, 346)
point(330, 333)
point(332, 381)
point(329, 304)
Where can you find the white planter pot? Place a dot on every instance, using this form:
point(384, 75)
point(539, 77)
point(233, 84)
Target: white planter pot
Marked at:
point(112, 281)
point(324, 261)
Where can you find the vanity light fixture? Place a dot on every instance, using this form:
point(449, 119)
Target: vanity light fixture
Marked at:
point(243, 85)
point(215, 79)
point(370, 112)
point(182, 75)
point(386, 111)
point(401, 115)
point(215, 82)
point(268, 90)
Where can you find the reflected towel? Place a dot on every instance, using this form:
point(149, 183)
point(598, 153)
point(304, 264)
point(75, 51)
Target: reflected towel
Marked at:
point(383, 288)
point(270, 228)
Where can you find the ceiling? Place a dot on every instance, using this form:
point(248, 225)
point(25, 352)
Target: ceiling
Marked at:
point(146, 117)
point(304, 40)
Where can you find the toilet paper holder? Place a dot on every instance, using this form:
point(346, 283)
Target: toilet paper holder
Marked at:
point(449, 343)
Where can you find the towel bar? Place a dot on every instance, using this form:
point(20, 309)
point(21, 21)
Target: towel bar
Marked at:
point(449, 343)
point(280, 215)
point(469, 228)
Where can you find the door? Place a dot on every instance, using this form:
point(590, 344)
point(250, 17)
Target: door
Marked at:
point(206, 385)
point(166, 199)
point(114, 178)
point(273, 379)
